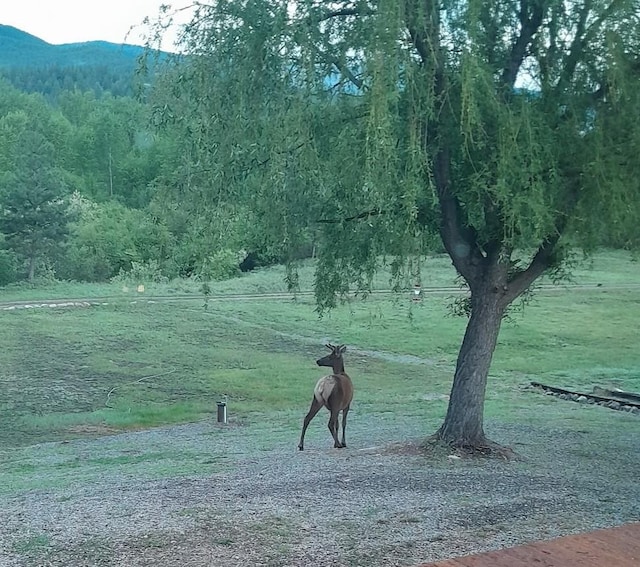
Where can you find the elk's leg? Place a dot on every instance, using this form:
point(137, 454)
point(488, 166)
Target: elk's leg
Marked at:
point(315, 408)
point(333, 427)
point(345, 411)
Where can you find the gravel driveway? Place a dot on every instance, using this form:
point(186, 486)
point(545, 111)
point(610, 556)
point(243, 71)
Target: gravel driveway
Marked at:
point(255, 500)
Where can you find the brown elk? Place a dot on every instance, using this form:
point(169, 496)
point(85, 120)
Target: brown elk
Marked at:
point(334, 392)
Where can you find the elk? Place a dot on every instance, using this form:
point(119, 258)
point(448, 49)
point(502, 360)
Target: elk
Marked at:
point(334, 392)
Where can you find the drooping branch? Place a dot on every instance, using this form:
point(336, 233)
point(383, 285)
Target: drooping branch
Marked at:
point(458, 239)
point(317, 17)
point(594, 27)
point(253, 164)
point(343, 12)
point(582, 37)
point(576, 47)
point(424, 34)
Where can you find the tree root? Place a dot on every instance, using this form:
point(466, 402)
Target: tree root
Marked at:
point(481, 448)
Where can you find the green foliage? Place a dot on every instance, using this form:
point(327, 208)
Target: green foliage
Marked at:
point(103, 153)
point(344, 126)
point(35, 216)
point(141, 273)
point(109, 238)
point(112, 149)
point(220, 265)
point(8, 267)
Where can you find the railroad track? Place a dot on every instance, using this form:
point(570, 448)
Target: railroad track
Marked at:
point(436, 290)
point(620, 401)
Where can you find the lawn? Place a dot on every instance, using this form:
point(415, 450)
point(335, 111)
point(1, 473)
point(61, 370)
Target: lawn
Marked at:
point(124, 365)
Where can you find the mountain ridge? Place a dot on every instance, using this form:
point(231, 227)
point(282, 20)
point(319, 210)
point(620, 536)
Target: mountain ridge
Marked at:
point(20, 49)
point(33, 65)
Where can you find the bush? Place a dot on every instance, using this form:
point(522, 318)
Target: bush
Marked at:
point(221, 265)
point(109, 239)
point(8, 267)
point(140, 273)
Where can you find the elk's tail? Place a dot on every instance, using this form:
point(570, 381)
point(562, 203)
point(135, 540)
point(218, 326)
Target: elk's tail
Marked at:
point(324, 388)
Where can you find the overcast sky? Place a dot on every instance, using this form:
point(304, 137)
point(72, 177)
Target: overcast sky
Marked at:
point(70, 21)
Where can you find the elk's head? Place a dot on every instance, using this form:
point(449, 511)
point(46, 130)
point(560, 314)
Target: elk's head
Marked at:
point(334, 356)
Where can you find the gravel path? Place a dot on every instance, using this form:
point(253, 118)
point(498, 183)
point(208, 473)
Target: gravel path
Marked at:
point(256, 501)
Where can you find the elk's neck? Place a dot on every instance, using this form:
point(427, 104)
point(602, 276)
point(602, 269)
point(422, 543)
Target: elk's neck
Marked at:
point(338, 367)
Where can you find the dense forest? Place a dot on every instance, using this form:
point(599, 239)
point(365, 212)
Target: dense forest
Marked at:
point(88, 181)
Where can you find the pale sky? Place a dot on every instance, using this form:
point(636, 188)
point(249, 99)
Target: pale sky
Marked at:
point(71, 21)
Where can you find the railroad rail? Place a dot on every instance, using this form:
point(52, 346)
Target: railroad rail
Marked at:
point(6, 305)
point(620, 401)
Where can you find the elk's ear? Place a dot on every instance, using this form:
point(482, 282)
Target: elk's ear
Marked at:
point(329, 346)
point(342, 348)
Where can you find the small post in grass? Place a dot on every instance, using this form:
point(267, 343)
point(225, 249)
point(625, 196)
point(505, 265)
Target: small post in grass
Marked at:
point(222, 412)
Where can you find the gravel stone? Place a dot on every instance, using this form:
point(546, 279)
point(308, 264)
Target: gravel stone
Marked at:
point(259, 501)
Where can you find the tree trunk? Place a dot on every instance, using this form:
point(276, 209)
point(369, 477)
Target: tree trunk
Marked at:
point(463, 424)
point(110, 173)
point(32, 267)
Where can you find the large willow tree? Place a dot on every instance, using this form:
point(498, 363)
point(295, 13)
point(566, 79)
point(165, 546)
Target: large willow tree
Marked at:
point(507, 127)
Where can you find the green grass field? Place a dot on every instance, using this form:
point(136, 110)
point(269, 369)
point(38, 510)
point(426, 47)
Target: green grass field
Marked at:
point(73, 372)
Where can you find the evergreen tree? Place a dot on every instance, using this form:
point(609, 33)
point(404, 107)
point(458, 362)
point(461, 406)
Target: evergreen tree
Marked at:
point(34, 215)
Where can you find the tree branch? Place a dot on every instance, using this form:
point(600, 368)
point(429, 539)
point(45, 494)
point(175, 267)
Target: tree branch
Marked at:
point(348, 73)
point(544, 257)
point(364, 214)
point(583, 35)
point(342, 12)
point(423, 34)
point(530, 16)
point(459, 240)
point(571, 60)
point(542, 260)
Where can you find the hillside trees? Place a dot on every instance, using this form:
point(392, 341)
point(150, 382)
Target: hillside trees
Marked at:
point(35, 215)
point(76, 184)
point(503, 126)
point(108, 238)
point(52, 80)
point(100, 160)
point(113, 148)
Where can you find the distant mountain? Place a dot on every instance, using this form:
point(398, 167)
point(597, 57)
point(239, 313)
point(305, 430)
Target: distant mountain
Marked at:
point(21, 49)
point(33, 65)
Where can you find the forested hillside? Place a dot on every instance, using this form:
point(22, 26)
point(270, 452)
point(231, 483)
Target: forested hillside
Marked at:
point(89, 183)
point(33, 65)
point(88, 190)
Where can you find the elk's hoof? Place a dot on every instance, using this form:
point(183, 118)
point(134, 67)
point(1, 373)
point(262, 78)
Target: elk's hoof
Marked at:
point(300, 448)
